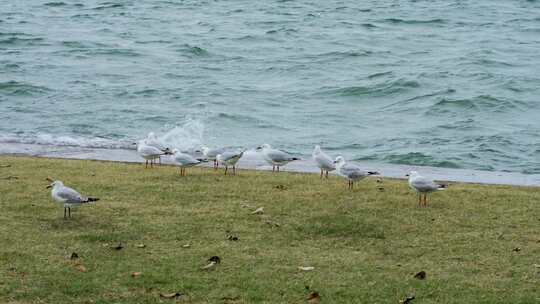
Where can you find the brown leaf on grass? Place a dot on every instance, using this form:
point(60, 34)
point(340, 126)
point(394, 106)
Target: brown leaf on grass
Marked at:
point(314, 298)
point(214, 260)
point(80, 267)
point(517, 249)
point(186, 246)
point(258, 211)
point(209, 266)
point(74, 256)
point(174, 295)
point(306, 268)
point(118, 246)
point(232, 238)
point(280, 187)
point(408, 299)
point(136, 274)
point(5, 166)
point(421, 275)
point(140, 246)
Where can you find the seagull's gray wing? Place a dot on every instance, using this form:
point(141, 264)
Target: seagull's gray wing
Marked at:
point(228, 155)
point(150, 150)
point(279, 156)
point(186, 159)
point(423, 184)
point(353, 171)
point(71, 196)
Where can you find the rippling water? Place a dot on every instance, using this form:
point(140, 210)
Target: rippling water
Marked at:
point(440, 83)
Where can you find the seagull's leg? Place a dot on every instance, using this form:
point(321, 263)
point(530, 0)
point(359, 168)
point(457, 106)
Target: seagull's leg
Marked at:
point(65, 213)
point(277, 168)
point(146, 165)
point(159, 160)
point(326, 173)
point(273, 168)
point(226, 167)
point(234, 169)
point(419, 199)
point(322, 172)
point(425, 199)
point(69, 212)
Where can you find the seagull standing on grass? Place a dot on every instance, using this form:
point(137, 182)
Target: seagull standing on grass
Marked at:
point(351, 172)
point(150, 153)
point(275, 157)
point(68, 197)
point(153, 141)
point(323, 161)
point(423, 186)
point(211, 154)
point(184, 160)
point(230, 158)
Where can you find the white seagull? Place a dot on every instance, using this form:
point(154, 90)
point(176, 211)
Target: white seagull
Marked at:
point(184, 160)
point(149, 153)
point(351, 172)
point(211, 154)
point(67, 196)
point(230, 158)
point(275, 157)
point(423, 186)
point(323, 161)
point(153, 141)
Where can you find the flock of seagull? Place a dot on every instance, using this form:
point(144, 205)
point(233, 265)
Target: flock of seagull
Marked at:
point(151, 150)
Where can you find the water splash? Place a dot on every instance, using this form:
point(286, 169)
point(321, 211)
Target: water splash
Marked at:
point(187, 136)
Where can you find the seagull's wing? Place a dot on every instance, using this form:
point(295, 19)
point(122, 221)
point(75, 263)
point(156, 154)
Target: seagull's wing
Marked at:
point(185, 159)
point(353, 171)
point(324, 161)
point(70, 195)
point(149, 150)
point(279, 156)
point(423, 184)
point(229, 155)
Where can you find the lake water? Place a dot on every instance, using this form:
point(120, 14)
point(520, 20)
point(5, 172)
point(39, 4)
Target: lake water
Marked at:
point(437, 83)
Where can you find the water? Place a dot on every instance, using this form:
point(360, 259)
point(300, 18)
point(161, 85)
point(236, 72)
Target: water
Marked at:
point(438, 83)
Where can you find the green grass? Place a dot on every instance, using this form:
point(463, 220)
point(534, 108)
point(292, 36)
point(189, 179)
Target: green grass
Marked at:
point(366, 244)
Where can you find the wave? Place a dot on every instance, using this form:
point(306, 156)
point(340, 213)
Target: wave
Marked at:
point(381, 89)
point(67, 141)
point(15, 88)
point(55, 4)
point(419, 159)
point(19, 39)
point(108, 5)
point(403, 21)
point(482, 102)
point(193, 50)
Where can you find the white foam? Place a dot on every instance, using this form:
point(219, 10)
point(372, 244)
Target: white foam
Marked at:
point(183, 137)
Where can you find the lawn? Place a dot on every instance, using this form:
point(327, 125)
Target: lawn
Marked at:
point(153, 231)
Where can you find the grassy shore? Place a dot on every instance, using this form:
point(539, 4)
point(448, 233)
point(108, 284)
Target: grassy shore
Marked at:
point(476, 243)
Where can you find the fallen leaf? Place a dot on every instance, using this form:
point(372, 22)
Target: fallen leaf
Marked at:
point(74, 256)
point(408, 299)
point(258, 211)
point(537, 265)
point(210, 266)
point(11, 177)
point(517, 249)
point(232, 238)
point(186, 246)
point(140, 246)
point(280, 187)
point(314, 298)
point(118, 246)
point(174, 295)
point(421, 275)
point(215, 259)
point(306, 268)
point(136, 274)
point(5, 166)
point(80, 267)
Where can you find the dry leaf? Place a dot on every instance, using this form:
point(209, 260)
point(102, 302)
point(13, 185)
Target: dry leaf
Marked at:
point(74, 256)
point(210, 266)
point(258, 211)
point(537, 265)
point(421, 275)
point(186, 246)
point(174, 295)
point(280, 187)
point(517, 249)
point(306, 268)
point(136, 274)
point(119, 246)
point(215, 259)
point(314, 298)
point(408, 299)
point(232, 238)
point(140, 246)
point(80, 267)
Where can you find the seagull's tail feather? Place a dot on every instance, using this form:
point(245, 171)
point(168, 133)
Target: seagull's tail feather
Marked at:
point(442, 187)
point(91, 199)
point(167, 151)
point(295, 158)
point(373, 173)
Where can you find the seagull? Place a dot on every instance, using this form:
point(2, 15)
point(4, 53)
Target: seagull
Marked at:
point(323, 161)
point(230, 158)
point(184, 160)
point(423, 186)
point(150, 153)
point(211, 154)
point(67, 196)
point(153, 141)
point(275, 157)
point(351, 171)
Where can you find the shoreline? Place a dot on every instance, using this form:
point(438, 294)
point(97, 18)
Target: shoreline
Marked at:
point(253, 161)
